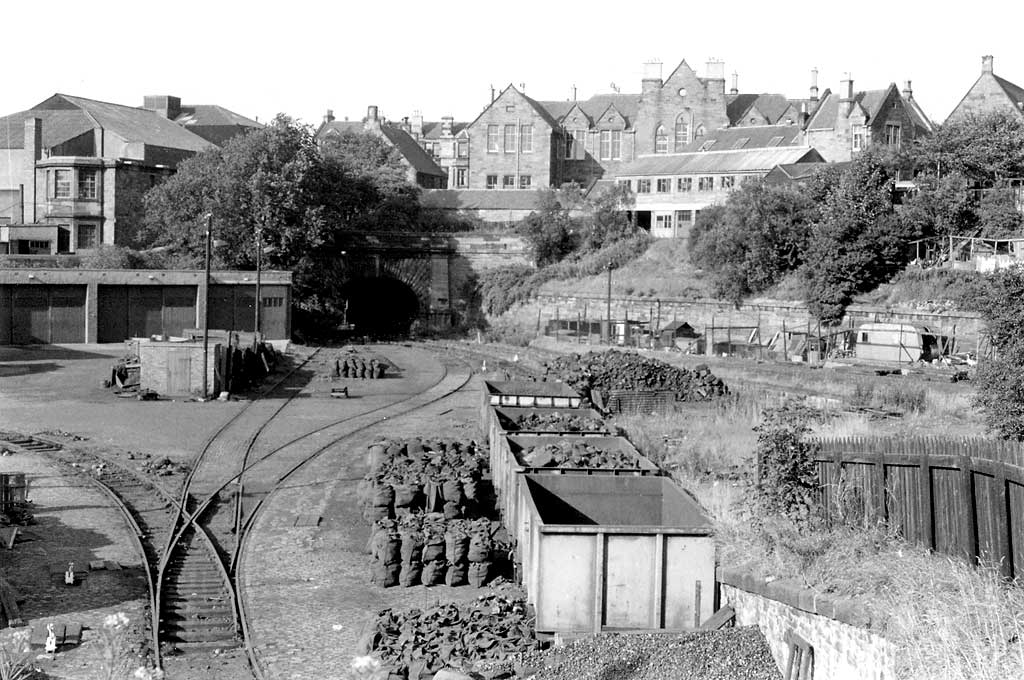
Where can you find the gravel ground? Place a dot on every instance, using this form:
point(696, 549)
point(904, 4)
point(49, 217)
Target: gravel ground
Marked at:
point(728, 654)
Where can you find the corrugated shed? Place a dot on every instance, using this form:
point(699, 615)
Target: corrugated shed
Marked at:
point(715, 162)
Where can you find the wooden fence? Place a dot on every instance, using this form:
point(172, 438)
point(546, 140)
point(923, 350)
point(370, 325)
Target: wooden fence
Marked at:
point(958, 497)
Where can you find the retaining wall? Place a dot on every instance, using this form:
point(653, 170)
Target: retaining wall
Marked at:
point(845, 646)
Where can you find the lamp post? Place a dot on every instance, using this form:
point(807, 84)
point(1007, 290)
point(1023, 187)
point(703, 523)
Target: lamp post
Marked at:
point(608, 306)
point(259, 271)
point(206, 305)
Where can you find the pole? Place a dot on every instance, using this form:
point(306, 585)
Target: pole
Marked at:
point(259, 281)
point(608, 307)
point(206, 306)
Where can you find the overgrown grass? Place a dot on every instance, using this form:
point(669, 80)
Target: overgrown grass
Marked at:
point(932, 288)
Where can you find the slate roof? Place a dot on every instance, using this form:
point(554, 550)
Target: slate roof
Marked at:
point(1013, 91)
point(797, 172)
point(709, 162)
point(412, 151)
point(869, 100)
point(626, 104)
point(432, 130)
point(481, 199)
point(771, 106)
point(212, 114)
point(58, 127)
point(757, 136)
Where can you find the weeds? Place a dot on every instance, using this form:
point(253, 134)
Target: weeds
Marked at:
point(16, 657)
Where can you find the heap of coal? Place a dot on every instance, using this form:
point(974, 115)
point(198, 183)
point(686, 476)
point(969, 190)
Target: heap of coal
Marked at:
point(629, 371)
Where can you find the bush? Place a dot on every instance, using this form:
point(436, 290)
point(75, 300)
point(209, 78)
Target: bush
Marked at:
point(787, 479)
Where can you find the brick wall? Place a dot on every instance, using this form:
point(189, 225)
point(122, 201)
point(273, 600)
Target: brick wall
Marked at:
point(845, 645)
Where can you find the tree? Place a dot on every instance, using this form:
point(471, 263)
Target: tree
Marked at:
point(549, 231)
point(983, 148)
point(857, 243)
point(752, 240)
point(1001, 378)
point(606, 219)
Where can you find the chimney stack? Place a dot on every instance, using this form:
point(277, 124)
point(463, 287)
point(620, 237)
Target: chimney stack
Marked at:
point(574, 93)
point(416, 124)
point(846, 88)
point(492, 94)
point(805, 117)
point(446, 125)
point(986, 63)
point(166, 105)
point(329, 116)
point(735, 83)
point(372, 122)
point(652, 81)
point(908, 92)
point(715, 69)
point(814, 84)
point(34, 137)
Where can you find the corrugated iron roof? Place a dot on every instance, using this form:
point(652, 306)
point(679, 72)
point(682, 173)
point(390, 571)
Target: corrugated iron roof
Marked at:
point(710, 162)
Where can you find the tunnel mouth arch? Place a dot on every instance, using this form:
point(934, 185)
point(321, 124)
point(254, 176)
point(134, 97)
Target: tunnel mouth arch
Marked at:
point(379, 306)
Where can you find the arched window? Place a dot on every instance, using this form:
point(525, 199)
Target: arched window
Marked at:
point(682, 131)
point(660, 140)
point(699, 132)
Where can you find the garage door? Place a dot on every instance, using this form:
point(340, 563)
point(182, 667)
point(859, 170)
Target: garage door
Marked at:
point(222, 308)
point(31, 317)
point(179, 309)
point(112, 309)
point(275, 312)
point(145, 311)
point(67, 314)
point(5, 315)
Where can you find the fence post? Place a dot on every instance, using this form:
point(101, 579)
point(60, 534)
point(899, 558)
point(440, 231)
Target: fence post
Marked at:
point(1001, 518)
point(785, 343)
point(927, 502)
point(969, 537)
point(881, 509)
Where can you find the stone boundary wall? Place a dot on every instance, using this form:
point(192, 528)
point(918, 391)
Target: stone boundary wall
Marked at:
point(845, 646)
point(771, 316)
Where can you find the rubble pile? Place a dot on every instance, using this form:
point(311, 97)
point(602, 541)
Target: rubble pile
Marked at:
point(559, 422)
point(629, 371)
point(410, 476)
point(430, 550)
point(576, 454)
point(740, 653)
point(417, 642)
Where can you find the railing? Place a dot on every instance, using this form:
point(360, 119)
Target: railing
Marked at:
point(958, 497)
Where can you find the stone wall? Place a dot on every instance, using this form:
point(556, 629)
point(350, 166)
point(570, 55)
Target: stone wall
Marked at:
point(846, 647)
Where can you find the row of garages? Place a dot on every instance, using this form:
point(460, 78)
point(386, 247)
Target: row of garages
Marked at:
point(43, 313)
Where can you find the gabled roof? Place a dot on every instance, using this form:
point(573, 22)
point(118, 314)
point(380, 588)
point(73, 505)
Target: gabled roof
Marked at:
point(432, 130)
point(757, 136)
point(212, 114)
point(828, 111)
point(753, 160)
point(412, 151)
point(540, 110)
point(128, 122)
point(58, 127)
point(772, 106)
point(481, 199)
point(798, 172)
point(1013, 91)
point(595, 107)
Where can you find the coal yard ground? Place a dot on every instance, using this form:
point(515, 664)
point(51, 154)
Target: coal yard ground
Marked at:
point(266, 537)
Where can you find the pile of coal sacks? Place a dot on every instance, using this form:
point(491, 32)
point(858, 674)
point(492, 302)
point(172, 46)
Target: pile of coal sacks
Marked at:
point(740, 653)
point(356, 366)
point(576, 454)
point(431, 550)
point(559, 422)
point(629, 371)
point(414, 476)
point(416, 643)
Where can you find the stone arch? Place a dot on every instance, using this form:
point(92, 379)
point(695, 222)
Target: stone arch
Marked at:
point(682, 131)
point(660, 139)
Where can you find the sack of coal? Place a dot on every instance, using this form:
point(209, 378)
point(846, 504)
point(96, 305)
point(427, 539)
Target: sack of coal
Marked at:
point(388, 547)
point(479, 573)
point(385, 575)
point(412, 546)
point(456, 546)
point(457, 574)
point(433, 572)
point(373, 513)
point(434, 548)
point(383, 495)
point(480, 546)
point(452, 510)
point(377, 457)
point(407, 495)
point(411, 574)
point(451, 491)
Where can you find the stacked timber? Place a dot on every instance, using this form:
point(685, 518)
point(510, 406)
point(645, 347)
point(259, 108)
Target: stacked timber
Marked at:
point(419, 642)
point(614, 371)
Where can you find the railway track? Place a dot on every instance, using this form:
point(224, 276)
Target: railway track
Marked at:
point(190, 544)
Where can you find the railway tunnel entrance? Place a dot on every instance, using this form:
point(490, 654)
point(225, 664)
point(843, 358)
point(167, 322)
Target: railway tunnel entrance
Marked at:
point(381, 307)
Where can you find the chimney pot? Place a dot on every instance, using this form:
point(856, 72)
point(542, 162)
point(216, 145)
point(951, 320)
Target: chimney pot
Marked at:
point(735, 83)
point(846, 87)
point(986, 63)
point(814, 84)
point(908, 91)
point(329, 116)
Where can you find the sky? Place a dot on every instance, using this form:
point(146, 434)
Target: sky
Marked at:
point(302, 57)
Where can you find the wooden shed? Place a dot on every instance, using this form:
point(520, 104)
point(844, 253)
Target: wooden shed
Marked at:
point(901, 342)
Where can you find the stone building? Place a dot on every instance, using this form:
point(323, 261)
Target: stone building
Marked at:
point(990, 93)
point(447, 142)
point(421, 169)
point(73, 172)
point(848, 121)
point(213, 123)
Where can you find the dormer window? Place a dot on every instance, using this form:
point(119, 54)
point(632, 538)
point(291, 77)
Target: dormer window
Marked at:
point(741, 142)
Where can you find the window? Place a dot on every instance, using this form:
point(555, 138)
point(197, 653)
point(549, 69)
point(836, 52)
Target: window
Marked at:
point(643, 186)
point(62, 184)
point(606, 144)
point(616, 145)
point(857, 138)
point(892, 135)
point(579, 144)
point(525, 181)
point(705, 183)
point(682, 132)
point(684, 184)
point(526, 138)
point(86, 236)
point(775, 141)
point(699, 132)
point(492, 139)
point(628, 183)
point(741, 142)
point(460, 177)
point(863, 337)
point(664, 186)
point(462, 149)
point(728, 181)
point(38, 245)
point(87, 183)
point(684, 217)
point(510, 108)
point(273, 302)
point(663, 221)
point(510, 139)
point(492, 181)
point(508, 182)
point(707, 145)
point(660, 140)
